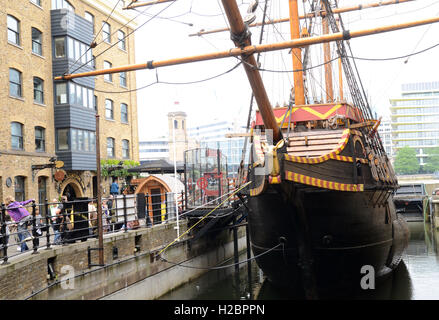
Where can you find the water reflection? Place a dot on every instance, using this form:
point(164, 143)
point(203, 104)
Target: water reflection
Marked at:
point(417, 277)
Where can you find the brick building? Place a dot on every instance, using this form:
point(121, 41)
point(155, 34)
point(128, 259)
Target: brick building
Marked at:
point(43, 120)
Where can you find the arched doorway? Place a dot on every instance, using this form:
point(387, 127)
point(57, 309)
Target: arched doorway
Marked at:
point(69, 192)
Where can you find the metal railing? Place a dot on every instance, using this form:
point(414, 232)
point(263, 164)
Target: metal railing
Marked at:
point(63, 223)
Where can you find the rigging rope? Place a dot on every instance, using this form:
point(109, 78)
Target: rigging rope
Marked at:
point(178, 238)
point(93, 41)
point(126, 36)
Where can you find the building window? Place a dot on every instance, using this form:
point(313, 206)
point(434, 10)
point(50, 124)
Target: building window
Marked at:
point(60, 47)
point(109, 111)
point(110, 147)
point(61, 93)
point(81, 96)
point(37, 42)
point(38, 90)
point(123, 79)
point(15, 83)
point(79, 51)
point(17, 135)
point(91, 18)
point(95, 103)
point(40, 140)
point(123, 113)
point(13, 30)
point(125, 149)
point(121, 37)
point(106, 32)
point(62, 4)
point(19, 188)
point(109, 76)
point(37, 2)
point(62, 139)
point(175, 124)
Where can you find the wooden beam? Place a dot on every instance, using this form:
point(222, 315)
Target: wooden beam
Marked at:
point(242, 38)
point(251, 49)
point(299, 90)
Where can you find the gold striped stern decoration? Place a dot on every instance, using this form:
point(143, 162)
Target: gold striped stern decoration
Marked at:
point(324, 184)
point(334, 154)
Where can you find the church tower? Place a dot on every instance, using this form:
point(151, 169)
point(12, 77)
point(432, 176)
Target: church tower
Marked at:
point(177, 129)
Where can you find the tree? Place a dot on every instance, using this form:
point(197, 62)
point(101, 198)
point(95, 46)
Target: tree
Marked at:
point(406, 161)
point(432, 163)
point(117, 168)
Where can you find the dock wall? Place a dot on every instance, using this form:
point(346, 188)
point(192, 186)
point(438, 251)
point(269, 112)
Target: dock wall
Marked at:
point(129, 257)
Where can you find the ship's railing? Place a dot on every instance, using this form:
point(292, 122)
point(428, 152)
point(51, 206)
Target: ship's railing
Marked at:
point(48, 225)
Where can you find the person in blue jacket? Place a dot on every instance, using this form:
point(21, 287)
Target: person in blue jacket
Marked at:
point(114, 188)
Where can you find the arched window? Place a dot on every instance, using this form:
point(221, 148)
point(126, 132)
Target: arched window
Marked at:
point(89, 17)
point(121, 37)
point(123, 79)
point(175, 124)
point(109, 111)
point(37, 41)
point(15, 83)
point(40, 139)
point(13, 30)
point(19, 188)
point(123, 113)
point(125, 149)
point(106, 32)
point(110, 148)
point(38, 90)
point(17, 135)
point(108, 76)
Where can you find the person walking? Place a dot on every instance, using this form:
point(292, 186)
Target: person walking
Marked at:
point(22, 217)
point(114, 188)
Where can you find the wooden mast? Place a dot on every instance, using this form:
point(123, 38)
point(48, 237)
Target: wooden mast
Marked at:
point(328, 65)
point(241, 38)
point(340, 73)
point(250, 49)
point(299, 92)
point(321, 13)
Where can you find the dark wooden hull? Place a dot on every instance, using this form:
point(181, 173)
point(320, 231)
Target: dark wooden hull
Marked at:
point(346, 234)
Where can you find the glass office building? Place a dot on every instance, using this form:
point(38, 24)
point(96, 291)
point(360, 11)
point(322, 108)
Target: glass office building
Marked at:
point(415, 118)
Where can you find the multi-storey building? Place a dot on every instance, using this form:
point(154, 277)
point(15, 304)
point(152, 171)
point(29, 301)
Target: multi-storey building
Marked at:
point(213, 135)
point(415, 118)
point(45, 120)
point(385, 132)
point(154, 149)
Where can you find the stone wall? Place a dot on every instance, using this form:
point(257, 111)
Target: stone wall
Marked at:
point(26, 276)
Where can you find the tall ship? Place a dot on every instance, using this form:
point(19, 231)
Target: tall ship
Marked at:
point(320, 184)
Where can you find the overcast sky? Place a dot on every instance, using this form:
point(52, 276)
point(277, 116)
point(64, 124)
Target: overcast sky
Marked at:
point(228, 96)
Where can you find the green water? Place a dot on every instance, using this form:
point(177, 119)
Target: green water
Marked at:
point(416, 278)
